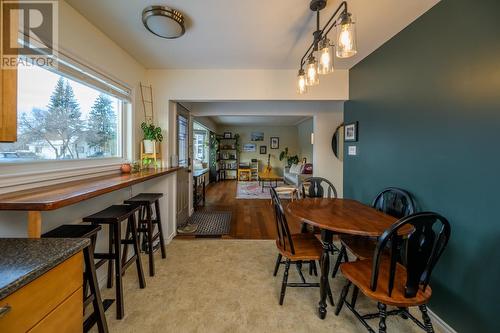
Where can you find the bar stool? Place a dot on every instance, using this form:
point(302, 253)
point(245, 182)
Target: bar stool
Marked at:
point(89, 274)
point(113, 216)
point(147, 223)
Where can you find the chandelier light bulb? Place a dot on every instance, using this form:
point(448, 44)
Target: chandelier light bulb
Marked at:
point(312, 77)
point(346, 37)
point(301, 82)
point(325, 57)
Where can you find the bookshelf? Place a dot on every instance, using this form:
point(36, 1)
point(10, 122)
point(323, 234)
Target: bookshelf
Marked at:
point(227, 158)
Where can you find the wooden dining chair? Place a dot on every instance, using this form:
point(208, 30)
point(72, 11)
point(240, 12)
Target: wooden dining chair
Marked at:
point(296, 249)
point(314, 187)
point(392, 201)
point(388, 282)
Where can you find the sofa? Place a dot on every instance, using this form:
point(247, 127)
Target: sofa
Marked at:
point(296, 173)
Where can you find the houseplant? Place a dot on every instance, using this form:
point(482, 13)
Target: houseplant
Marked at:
point(152, 134)
point(284, 155)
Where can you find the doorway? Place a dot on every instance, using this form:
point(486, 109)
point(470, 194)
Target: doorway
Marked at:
point(184, 164)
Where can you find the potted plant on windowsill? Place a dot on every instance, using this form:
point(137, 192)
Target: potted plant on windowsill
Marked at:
point(152, 134)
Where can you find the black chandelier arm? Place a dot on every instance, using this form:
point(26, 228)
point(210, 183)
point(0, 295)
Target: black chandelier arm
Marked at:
point(323, 31)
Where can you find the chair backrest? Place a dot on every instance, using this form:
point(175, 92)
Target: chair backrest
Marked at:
point(423, 246)
point(395, 202)
point(284, 236)
point(316, 188)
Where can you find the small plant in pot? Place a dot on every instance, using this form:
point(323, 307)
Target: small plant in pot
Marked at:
point(284, 155)
point(152, 134)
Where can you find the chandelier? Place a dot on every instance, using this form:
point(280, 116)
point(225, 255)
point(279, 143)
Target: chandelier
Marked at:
point(318, 59)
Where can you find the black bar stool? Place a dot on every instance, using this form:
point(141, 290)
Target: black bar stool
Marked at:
point(89, 275)
point(146, 224)
point(114, 216)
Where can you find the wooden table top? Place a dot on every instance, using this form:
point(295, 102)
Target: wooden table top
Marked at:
point(343, 216)
point(67, 193)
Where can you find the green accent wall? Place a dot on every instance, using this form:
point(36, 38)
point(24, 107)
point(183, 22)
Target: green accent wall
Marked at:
point(428, 107)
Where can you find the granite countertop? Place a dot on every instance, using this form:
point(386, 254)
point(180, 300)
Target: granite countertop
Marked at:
point(22, 260)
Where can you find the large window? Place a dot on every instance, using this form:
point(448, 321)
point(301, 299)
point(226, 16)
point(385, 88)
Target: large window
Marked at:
point(200, 145)
point(60, 118)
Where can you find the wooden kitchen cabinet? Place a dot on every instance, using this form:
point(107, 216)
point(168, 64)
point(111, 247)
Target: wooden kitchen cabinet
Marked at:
point(8, 105)
point(52, 302)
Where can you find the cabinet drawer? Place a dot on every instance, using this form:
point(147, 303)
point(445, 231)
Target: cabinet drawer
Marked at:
point(66, 318)
point(36, 300)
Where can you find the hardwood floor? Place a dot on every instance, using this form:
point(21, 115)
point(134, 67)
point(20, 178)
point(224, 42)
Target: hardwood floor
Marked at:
point(251, 219)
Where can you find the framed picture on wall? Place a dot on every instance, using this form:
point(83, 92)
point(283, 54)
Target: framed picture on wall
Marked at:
point(275, 142)
point(249, 147)
point(351, 132)
point(257, 136)
point(228, 135)
point(263, 150)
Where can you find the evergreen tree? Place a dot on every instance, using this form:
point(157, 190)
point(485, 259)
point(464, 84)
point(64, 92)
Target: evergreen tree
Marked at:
point(102, 124)
point(60, 123)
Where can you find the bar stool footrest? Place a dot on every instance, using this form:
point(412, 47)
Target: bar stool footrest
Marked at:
point(91, 320)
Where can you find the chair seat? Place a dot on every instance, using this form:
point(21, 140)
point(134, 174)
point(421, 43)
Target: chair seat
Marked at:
point(306, 246)
point(112, 214)
point(144, 198)
point(362, 247)
point(359, 273)
point(73, 231)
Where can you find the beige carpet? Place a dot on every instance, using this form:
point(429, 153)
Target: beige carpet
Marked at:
point(227, 286)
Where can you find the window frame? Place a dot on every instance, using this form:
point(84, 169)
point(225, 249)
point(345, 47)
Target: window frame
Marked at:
point(34, 173)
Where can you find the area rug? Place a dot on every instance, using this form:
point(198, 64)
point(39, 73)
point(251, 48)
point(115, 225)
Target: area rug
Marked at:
point(210, 223)
point(252, 190)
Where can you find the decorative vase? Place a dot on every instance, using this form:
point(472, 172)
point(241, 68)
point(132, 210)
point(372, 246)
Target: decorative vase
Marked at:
point(149, 146)
point(125, 168)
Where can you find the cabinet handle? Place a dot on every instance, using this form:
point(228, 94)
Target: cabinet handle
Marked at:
point(4, 310)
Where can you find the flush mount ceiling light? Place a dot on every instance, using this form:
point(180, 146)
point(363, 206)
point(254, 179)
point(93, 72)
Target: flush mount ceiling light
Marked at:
point(163, 21)
point(318, 59)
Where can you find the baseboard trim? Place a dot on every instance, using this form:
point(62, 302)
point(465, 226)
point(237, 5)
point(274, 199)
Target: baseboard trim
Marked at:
point(438, 321)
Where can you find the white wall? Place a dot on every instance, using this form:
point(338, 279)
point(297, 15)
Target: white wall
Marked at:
point(326, 117)
point(305, 129)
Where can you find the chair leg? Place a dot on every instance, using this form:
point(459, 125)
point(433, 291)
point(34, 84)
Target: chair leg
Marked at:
point(110, 251)
point(382, 328)
point(138, 262)
point(311, 267)
point(118, 272)
point(277, 266)
point(160, 230)
point(426, 318)
point(93, 285)
point(403, 315)
point(354, 298)
point(285, 280)
point(128, 233)
point(298, 265)
point(342, 297)
point(339, 261)
point(315, 268)
point(150, 241)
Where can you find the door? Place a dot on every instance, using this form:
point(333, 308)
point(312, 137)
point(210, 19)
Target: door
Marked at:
point(184, 162)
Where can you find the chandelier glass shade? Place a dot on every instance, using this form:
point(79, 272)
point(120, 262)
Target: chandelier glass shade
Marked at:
point(319, 57)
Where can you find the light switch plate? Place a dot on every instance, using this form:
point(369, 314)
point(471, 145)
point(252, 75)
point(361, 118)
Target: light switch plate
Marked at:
point(352, 151)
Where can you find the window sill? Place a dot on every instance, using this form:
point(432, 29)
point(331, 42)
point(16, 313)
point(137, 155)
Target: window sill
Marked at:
point(21, 176)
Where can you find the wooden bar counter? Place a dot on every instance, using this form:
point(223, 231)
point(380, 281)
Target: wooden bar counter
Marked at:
point(63, 194)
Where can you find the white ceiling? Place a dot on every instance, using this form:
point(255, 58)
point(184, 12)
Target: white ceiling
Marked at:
point(257, 120)
point(243, 34)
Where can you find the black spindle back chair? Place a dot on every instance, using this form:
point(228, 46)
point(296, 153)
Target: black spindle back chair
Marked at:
point(283, 231)
point(392, 201)
point(316, 189)
point(395, 202)
point(423, 247)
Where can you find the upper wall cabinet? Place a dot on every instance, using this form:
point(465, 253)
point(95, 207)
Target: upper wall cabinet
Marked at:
point(8, 105)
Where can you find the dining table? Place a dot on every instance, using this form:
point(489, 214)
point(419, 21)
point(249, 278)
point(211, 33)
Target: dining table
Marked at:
point(338, 216)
